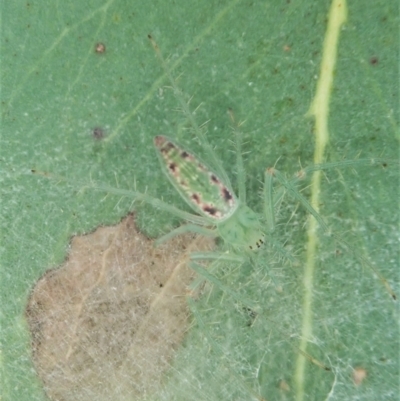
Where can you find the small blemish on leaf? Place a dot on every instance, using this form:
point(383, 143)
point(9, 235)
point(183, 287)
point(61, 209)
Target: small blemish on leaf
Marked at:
point(374, 60)
point(359, 375)
point(98, 133)
point(100, 48)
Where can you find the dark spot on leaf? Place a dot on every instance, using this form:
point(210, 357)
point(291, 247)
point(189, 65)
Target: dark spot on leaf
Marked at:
point(98, 133)
point(374, 60)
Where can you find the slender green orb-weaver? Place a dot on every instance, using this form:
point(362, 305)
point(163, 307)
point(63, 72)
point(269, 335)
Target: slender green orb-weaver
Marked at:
point(209, 196)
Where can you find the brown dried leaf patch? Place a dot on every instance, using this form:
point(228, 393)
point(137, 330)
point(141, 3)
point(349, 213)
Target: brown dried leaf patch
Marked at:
point(109, 320)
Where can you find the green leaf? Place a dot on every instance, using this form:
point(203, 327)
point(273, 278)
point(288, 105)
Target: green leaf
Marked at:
point(262, 60)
